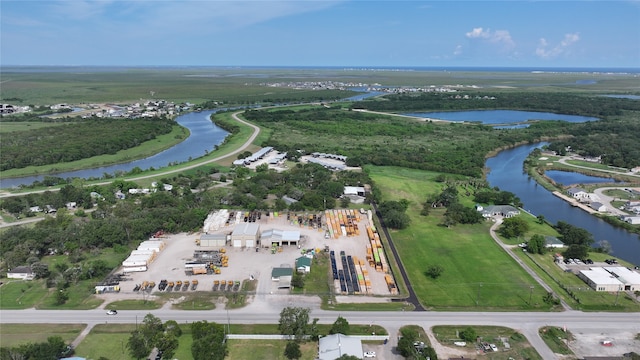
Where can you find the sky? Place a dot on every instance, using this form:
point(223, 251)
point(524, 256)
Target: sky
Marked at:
point(352, 33)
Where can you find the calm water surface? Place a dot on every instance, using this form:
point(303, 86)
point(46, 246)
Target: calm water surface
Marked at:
point(506, 173)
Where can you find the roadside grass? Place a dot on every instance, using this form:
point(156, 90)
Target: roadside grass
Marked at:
point(195, 301)
point(110, 340)
point(21, 294)
point(366, 306)
point(17, 334)
point(134, 305)
point(520, 348)
point(145, 149)
point(556, 339)
point(80, 298)
point(477, 274)
point(266, 350)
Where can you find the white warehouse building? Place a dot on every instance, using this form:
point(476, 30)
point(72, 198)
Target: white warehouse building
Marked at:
point(611, 279)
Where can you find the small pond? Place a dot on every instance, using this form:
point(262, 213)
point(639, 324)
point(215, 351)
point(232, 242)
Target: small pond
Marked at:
point(570, 178)
point(500, 117)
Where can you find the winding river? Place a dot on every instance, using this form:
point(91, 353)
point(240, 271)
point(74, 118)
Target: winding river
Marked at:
point(506, 172)
point(204, 137)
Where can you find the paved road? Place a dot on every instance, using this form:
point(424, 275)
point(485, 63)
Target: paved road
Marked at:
point(527, 323)
point(563, 160)
point(256, 131)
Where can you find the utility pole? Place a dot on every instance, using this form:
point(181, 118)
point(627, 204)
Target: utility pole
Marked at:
point(530, 293)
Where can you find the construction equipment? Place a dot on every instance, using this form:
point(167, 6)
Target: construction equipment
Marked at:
point(194, 284)
point(216, 285)
point(185, 285)
point(170, 285)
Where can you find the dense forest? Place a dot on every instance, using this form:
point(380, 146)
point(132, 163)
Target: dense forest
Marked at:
point(385, 140)
point(572, 104)
point(618, 143)
point(78, 140)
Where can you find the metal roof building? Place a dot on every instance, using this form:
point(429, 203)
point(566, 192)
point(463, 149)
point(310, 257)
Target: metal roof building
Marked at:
point(334, 346)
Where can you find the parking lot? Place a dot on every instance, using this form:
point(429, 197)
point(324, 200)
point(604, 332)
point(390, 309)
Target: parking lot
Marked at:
point(246, 263)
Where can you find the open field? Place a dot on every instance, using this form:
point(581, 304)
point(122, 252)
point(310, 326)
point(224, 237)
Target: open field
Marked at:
point(242, 85)
point(16, 334)
point(478, 274)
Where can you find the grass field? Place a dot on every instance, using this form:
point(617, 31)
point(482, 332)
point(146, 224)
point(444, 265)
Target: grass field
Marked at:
point(16, 334)
point(478, 274)
point(19, 294)
point(267, 350)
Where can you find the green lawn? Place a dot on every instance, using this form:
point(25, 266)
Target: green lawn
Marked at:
point(17, 334)
point(267, 350)
point(478, 274)
point(19, 294)
point(108, 340)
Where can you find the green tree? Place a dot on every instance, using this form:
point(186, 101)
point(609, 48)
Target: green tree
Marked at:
point(536, 245)
point(297, 280)
point(138, 347)
point(208, 341)
point(434, 271)
point(513, 227)
point(294, 321)
point(468, 334)
point(348, 357)
point(168, 344)
point(292, 350)
point(340, 326)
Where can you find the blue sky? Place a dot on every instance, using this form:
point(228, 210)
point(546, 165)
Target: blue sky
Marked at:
point(578, 33)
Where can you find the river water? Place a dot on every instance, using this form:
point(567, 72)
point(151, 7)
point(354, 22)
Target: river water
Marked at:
point(204, 137)
point(506, 172)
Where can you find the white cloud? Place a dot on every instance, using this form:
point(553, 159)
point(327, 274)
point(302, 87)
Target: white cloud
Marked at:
point(478, 33)
point(499, 37)
point(544, 51)
point(458, 50)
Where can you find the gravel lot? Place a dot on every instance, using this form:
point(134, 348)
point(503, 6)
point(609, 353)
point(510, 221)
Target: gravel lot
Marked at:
point(590, 343)
point(246, 262)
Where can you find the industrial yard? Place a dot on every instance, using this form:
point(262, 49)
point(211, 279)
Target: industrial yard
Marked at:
point(235, 246)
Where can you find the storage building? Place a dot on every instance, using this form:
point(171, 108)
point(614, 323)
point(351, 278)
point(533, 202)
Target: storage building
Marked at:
point(279, 237)
point(334, 346)
point(211, 240)
point(245, 235)
point(283, 276)
point(600, 279)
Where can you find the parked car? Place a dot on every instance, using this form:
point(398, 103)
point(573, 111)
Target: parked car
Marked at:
point(112, 312)
point(493, 347)
point(370, 354)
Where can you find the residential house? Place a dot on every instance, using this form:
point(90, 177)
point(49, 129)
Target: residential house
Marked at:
point(21, 272)
point(303, 264)
point(505, 211)
point(578, 193)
